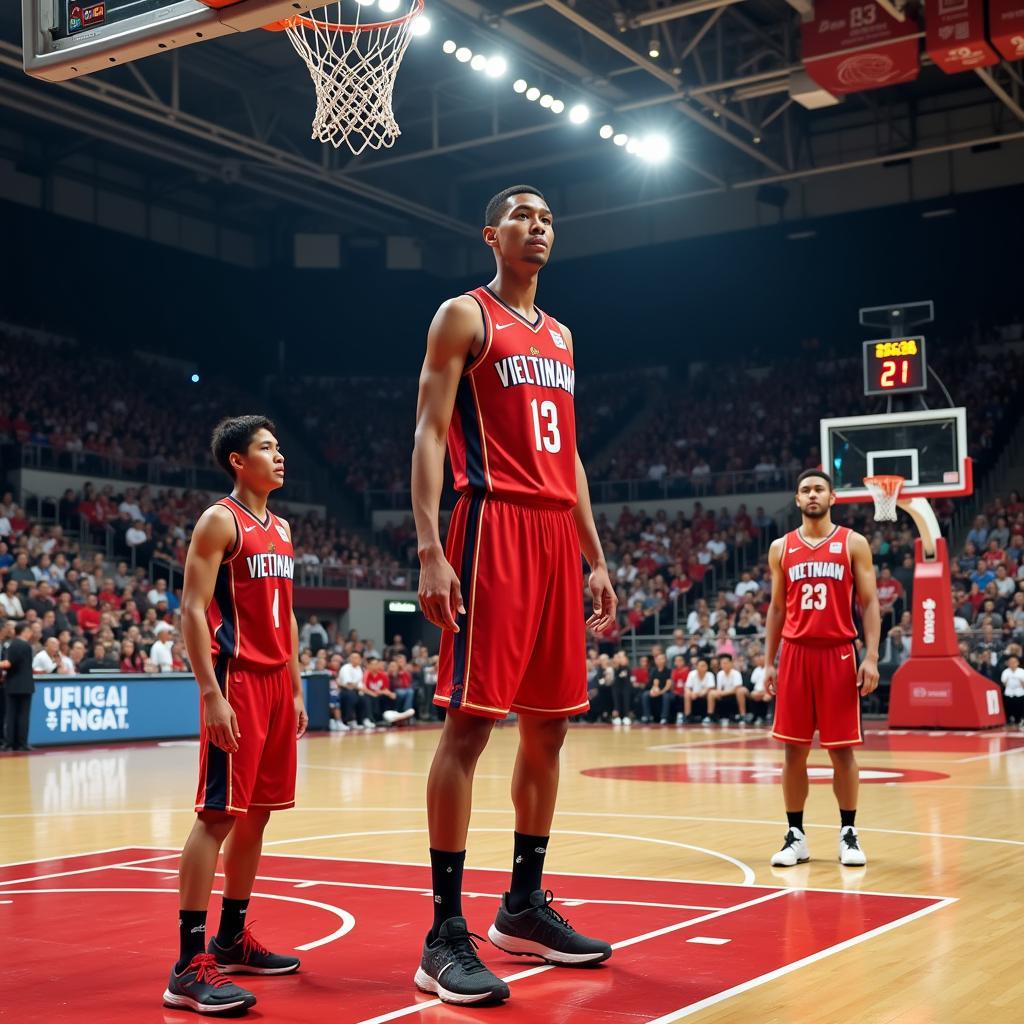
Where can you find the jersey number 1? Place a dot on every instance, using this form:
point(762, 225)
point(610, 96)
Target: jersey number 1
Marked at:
point(277, 608)
point(552, 440)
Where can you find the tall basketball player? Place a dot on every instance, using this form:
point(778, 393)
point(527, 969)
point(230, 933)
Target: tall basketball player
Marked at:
point(242, 640)
point(815, 571)
point(497, 388)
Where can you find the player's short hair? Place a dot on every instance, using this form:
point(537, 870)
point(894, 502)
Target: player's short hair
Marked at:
point(235, 434)
point(808, 473)
point(496, 205)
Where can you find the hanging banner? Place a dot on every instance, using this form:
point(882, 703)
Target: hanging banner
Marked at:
point(1006, 27)
point(854, 47)
point(955, 35)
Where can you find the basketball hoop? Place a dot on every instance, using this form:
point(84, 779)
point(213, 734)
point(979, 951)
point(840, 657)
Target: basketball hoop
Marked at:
point(886, 492)
point(353, 66)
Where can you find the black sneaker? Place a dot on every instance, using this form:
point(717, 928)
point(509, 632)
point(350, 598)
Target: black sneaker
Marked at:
point(203, 988)
point(248, 956)
point(540, 930)
point(451, 969)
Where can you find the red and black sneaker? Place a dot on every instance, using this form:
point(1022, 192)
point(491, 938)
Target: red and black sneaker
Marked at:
point(202, 987)
point(249, 956)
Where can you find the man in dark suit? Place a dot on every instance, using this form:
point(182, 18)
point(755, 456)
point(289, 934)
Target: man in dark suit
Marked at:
point(19, 685)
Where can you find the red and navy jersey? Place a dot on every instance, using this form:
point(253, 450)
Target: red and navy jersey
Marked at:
point(250, 616)
point(513, 430)
point(819, 588)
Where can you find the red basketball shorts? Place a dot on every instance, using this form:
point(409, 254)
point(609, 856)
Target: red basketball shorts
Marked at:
point(521, 645)
point(817, 689)
point(261, 773)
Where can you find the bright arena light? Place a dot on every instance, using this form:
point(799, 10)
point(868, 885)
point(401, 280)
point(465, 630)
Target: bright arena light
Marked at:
point(496, 67)
point(655, 149)
point(633, 146)
point(533, 93)
point(463, 54)
point(388, 6)
point(479, 62)
point(449, 46)
point(606, 132)
point(579, 113)
point(195, 378)
point(546, 100)
point(621, 139)
point(519, 85)
point(557, 106)
point(420, 26)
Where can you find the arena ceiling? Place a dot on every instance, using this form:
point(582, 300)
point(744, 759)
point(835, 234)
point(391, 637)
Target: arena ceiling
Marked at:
point(222, 127)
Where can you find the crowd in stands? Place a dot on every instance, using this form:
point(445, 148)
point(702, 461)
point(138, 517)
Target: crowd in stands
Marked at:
point(363, 427)
point(698, 449)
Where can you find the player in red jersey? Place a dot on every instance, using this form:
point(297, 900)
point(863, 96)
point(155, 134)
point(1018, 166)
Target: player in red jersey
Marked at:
point(815, 571)
point(497, 388)
point(242, 639)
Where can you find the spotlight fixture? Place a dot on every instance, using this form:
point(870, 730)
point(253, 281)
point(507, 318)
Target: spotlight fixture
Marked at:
point(533, 93)
point(519, 85)
point(463, 54)
point(579, 113)
point(606, 131)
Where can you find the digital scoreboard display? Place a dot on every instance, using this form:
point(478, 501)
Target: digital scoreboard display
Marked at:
point(895, 365)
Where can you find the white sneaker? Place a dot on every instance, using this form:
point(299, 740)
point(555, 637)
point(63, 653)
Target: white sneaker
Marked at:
point(391, 717)
point(627, 720)
point(332, 725)
point(850, 852)
point(679, 718)
point(341, 726)
point(794, 850)
point(369, 723)
point(616, 720)
point(706, 720)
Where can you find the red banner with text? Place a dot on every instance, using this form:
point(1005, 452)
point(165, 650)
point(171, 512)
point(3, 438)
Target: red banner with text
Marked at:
point(955, 35)
point(853, 47)
point(1006, 27)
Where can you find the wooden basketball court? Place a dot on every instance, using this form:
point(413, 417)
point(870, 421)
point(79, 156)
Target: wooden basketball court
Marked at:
point(661, 846)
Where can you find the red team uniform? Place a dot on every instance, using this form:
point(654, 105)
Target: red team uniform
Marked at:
point(521, 645)
point(250, 620)
point(817, 681)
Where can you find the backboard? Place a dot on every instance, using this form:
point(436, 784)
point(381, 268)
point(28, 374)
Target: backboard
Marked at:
point(63, 39)
point(928, 448)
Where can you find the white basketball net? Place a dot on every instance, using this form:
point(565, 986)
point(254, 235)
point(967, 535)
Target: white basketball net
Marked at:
point(886, 492)
point(353, 66)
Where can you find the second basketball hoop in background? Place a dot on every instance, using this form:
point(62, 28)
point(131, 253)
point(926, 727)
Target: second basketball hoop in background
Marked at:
point(354, 61)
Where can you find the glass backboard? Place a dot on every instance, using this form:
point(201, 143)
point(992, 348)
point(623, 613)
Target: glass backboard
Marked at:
point(928, 448)
point(64, 39)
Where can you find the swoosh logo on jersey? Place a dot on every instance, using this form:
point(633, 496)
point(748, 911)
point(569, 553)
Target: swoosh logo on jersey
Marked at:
point(501, 327)
point(845, 657)
point(248, 529)
point(792, 550)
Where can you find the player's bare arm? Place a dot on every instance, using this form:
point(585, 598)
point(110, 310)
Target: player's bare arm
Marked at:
point(602, 592)
point(294, 670)
point(213, 537)
point(455, 333)
point(870, 612)
point(776, 616)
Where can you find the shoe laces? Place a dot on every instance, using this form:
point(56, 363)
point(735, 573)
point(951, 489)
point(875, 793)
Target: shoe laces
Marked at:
point(549, 911)
point(850, 838)
point(207, 971)
point(464, 952)
point(250, 944)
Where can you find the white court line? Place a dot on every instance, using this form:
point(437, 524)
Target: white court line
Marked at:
point(348, 922)
point(307, 883)
point(84, 871)
point(647, 936)
point(719, 997)
point(748, 873)
point(563, 874)
point(988, 757)
point(67, 856)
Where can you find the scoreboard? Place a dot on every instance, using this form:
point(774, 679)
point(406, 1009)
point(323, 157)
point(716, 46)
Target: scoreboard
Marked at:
point(895, 366)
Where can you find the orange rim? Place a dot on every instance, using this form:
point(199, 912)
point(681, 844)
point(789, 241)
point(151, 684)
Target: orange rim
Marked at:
point(890, 484)
point(332, 26)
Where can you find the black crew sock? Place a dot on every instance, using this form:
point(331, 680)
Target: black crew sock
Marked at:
point(795, 819)
point(232, 921)
point(191, 936)
point(847, 817)
point(527, 869)
point(446, 873)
